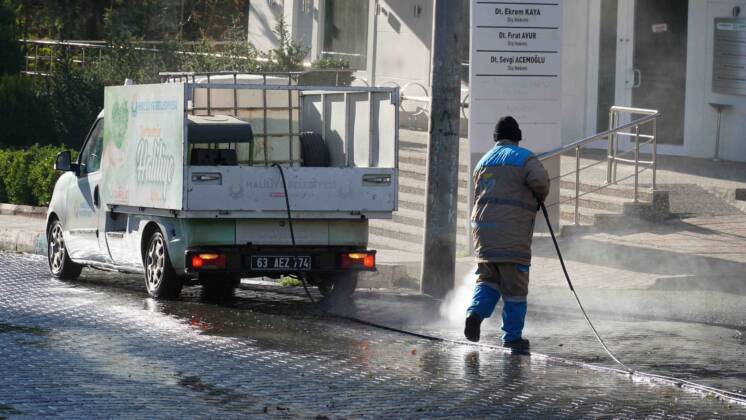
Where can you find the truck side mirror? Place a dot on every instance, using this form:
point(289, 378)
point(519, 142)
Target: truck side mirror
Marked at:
point(62, 163)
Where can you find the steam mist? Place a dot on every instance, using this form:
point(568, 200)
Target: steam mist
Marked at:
point(453, 308)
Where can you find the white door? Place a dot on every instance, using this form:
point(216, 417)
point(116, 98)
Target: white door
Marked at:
point(649, 64)
point(650, 68)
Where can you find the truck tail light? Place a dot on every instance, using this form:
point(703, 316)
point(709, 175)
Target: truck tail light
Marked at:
point(366, 260)
point(208, 261)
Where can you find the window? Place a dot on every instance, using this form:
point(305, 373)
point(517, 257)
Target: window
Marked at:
point(346, 31)
point(90, 157)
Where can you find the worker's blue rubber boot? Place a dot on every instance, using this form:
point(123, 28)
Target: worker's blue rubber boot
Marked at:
point(514, 316)
point(482, 305)
point(519, 345)
point(473, 327)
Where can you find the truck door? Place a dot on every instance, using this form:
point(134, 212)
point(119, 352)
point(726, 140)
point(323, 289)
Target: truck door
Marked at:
point(84, 201)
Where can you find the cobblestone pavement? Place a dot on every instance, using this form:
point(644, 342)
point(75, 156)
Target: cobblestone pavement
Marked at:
point(99, 347)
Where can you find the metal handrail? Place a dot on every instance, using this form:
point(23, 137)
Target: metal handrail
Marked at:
point(595, 137)
point(613, 156)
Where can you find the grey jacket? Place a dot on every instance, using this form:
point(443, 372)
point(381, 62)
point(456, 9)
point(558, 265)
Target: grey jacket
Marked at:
point(508, 182)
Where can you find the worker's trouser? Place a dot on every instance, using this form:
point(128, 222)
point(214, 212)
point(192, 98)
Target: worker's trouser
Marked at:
point(509, 280)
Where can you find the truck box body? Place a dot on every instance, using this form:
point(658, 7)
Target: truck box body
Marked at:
point(146, 158)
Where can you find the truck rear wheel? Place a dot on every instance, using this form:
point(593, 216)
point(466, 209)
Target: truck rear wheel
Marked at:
point(338, 286)
point(219, 286)
point(160, 278)
point(60, 264)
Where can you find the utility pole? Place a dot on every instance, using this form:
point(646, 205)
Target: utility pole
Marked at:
point(439, 256)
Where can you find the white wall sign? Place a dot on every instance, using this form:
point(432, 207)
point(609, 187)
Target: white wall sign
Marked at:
point(515, 70)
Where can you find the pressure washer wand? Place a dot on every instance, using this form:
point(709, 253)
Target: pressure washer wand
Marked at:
point(572, 289)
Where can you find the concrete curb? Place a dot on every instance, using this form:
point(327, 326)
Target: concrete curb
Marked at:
point(23, 241)
point(391, 276)
point(22, 210)
point(19, 240)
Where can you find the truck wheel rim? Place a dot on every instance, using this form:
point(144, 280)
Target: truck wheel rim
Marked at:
point(56, 249)
point(156, 263)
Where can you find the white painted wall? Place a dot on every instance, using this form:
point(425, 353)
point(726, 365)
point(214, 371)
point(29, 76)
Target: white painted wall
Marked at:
point(263, 16)
point(700, 117)
point(403, 42)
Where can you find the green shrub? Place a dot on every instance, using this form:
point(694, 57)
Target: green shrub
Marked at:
point(27, 176)
point(3, 164)
point(15, 177)
point(41, 175)
point(288, 55)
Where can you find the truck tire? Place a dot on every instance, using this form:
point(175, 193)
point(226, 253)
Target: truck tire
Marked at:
point(219, 286)
point(313, 150)
point(161, 280)
point(338, 287)
point(60, 264)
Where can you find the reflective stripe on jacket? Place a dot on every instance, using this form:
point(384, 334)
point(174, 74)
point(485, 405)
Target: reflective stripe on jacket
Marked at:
point(508, 181)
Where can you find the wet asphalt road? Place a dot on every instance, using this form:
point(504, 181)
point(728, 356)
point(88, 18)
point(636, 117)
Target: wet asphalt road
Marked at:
point(100, 347)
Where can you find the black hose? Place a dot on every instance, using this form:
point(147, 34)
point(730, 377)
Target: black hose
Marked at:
point(572, 289)
point(302, 275)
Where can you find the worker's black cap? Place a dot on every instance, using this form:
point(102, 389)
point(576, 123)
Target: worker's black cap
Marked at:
point(507, 129)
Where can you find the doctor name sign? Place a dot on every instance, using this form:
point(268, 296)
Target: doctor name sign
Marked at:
point(515, 70)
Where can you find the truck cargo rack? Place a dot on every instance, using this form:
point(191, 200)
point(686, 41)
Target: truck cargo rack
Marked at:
point(278, 109)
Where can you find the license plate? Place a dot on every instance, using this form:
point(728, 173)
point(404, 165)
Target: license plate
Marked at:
point(281, 262)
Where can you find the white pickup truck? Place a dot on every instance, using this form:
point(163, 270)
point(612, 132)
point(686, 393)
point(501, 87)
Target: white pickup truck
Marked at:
point(205, 183)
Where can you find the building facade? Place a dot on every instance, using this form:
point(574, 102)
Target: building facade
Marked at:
point(658, 54)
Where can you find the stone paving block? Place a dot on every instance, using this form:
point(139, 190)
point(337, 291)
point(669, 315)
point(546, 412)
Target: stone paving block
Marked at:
point(99, 347)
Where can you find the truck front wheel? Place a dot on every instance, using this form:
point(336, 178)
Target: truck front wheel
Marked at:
point(60, 264)
point(160, 278)
point(338, 286)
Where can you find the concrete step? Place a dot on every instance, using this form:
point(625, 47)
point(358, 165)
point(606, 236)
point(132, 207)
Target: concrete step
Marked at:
point(417, 217)
point(419, 173)
point(418, 187)
point(586, 216)
point(411, 201)
point(593, 200)
point(419, 157)
point(416, 202)
point(410, 233)
point(623, 191)
point(376, 241)
point(422, 138)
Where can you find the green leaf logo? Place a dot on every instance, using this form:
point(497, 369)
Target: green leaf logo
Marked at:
point(119, 122)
